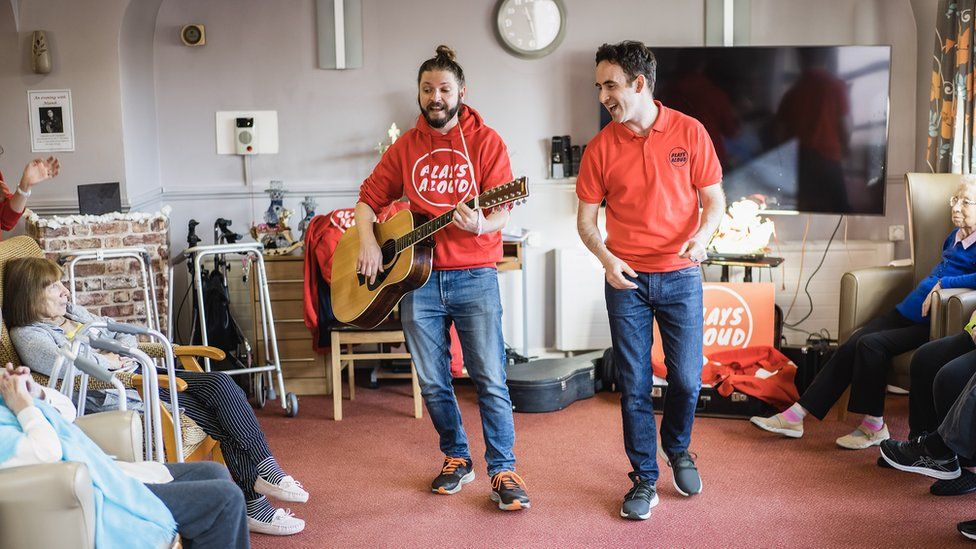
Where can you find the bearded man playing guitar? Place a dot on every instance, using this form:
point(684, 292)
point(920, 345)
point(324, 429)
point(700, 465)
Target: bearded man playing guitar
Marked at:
point(449, 157)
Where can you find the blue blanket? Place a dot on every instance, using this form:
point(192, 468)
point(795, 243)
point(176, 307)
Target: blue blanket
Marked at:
point(127, 514)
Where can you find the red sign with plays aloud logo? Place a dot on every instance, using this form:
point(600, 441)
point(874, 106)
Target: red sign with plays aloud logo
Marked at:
point(737, 315)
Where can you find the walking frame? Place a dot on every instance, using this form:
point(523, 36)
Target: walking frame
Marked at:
point(250, 251)
point(74, 356)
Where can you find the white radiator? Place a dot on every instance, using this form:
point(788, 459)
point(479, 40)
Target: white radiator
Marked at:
point(581, 315)
point(825, 286)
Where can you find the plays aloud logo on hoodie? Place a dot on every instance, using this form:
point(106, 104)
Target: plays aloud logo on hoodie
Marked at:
point(442, 178)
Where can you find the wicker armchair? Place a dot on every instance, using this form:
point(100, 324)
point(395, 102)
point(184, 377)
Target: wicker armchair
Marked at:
point(196, 444)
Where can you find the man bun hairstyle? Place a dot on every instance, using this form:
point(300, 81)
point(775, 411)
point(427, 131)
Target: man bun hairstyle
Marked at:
point(443, 60)
point(633, 57)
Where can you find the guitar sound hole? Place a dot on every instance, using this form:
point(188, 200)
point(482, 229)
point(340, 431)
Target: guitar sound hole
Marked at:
point(388, 250)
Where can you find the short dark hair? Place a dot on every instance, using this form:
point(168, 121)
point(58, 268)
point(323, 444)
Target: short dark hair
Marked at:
point(443, 61)
point(25, 280)
point(633, 57)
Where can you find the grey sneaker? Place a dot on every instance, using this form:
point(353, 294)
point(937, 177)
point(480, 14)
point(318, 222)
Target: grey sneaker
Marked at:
point(639, 500)
point(684, 473)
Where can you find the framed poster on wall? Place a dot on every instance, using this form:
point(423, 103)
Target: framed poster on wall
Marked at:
point(51, 120)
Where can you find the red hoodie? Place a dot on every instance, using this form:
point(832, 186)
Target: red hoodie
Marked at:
point(434, 172)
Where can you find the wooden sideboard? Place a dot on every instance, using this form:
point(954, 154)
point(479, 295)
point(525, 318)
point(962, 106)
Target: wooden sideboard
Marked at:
point(303, 368)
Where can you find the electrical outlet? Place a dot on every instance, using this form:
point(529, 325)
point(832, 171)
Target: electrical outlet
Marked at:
point(896, 233)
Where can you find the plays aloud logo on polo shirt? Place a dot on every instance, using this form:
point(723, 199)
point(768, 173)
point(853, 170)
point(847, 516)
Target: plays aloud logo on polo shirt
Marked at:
point(678, 157)
point(443, 178)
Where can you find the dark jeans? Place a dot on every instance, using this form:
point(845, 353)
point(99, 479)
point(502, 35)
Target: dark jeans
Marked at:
point(208, 507)
point(940, 370)
point(675, 300)
point(469, 298)
point(862, 363)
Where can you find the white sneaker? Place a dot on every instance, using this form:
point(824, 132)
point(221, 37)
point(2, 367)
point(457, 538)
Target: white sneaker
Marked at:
point(283, 523)
point(862, 438)
point(288, 489)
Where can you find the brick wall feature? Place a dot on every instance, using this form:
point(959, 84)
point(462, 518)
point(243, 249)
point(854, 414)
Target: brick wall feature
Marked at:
point(111, 287)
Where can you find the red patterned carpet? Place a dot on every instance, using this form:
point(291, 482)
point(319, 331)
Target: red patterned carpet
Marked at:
point(368, 476)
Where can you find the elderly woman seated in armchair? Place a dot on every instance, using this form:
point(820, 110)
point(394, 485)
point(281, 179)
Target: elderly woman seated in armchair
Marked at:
point(141, 504)
point(41, 321)
point(862, 362)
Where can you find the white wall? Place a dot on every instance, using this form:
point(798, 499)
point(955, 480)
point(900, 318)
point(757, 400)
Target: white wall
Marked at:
point(84, 41)
point(145, 117)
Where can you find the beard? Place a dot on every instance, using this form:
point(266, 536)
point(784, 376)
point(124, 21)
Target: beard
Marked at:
point(439, 123)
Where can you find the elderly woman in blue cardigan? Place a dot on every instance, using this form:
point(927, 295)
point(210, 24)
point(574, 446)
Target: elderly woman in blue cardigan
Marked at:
point(862, 362)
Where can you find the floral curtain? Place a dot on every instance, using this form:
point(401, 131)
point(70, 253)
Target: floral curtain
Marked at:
point(950, 137)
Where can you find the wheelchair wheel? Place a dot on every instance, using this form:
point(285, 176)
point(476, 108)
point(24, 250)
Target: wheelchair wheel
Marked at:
point(291, 409)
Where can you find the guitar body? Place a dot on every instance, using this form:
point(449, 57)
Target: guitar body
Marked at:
point(354, 300)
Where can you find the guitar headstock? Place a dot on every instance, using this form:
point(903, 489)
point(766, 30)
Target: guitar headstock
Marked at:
point(513, 191)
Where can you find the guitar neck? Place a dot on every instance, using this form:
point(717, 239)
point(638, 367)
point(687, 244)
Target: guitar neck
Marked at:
point(427, 229)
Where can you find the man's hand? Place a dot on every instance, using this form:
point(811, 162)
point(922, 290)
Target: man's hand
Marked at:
point(693, 250)
point(927, 304)
point(370, 261)
point(616, 268)
point(39, 170)
point(13, 389)
point(468, 219)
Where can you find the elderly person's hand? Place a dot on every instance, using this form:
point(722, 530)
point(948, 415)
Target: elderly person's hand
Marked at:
point(39, 170)
point(13, 389)
point(927, 304)
point(32, 388)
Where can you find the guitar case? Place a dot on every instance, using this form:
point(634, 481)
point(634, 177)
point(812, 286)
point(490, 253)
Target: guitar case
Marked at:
point(551, 384)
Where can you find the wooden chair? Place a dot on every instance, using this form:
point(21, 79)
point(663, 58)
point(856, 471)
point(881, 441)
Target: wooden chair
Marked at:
point(350, 336)
point(196, 444)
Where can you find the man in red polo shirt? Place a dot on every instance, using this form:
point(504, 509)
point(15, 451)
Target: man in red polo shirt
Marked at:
point(652, 165)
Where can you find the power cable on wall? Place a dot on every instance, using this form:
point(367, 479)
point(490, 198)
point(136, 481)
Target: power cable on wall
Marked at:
point(806, 287)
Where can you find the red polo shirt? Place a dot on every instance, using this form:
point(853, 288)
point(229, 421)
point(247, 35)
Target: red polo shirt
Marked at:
point(651, 187)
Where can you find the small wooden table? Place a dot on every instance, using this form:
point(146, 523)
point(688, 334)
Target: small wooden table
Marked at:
point(766, 262)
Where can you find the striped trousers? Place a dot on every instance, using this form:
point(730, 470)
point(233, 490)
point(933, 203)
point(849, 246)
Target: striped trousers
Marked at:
point(216, 403)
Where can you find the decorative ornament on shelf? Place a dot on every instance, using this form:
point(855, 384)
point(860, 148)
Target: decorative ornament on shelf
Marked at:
point(274, 233)
point(308, 206)
point(742, 231)
point(40, 54)
point(393, 133)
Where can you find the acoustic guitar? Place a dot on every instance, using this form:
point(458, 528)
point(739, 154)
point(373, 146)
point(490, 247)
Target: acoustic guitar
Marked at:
point(407, 243)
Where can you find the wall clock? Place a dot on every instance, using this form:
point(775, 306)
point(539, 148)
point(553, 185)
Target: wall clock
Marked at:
point(530, 28)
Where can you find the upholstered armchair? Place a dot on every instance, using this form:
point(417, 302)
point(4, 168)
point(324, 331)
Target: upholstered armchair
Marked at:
point(52, 505)
point(868, 293)
point(197, 445)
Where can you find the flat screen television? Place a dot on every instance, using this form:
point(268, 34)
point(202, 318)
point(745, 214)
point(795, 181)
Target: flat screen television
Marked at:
point(803, 128)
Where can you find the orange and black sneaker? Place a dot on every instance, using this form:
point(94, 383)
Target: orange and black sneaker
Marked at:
point(455, 473)
point(508, 490)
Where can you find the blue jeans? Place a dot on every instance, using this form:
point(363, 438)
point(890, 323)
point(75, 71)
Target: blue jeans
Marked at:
point(470, 299)
point(675, 299)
